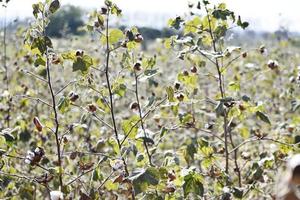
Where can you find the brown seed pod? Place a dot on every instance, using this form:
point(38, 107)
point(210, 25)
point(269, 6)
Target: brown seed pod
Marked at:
point(137, 66)
point(169, 189)
point(124, 44)
point(194, 69)
point(242, 107)
point(92, 108)
point(56, 60)
point(103, 10)
point(291, 129)
point(262, 49)
point(180, 97)
point(38, 124)
point(185, 73)
point(119, 179)
point(73, 96)
point(177, 85)
point(73, 155)
point(85, 166)
point(134, 106)
point(44, 179)
point(65, 140)
point(171, 176)
point(272, 64)
point(97, 24)
point(220, 150)
point(246, 155)
point(138, 38)
point(244, 54)
point(79, 53)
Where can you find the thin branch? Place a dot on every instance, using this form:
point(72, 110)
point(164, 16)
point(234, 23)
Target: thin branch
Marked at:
point(255, 139)
point(53, 105)
point(107, 178)
point(34, 98)
point(145, 115)
point(110, 90)
point(94, 115)
point(142, 122)
point(222, 92)
point(62, 89)
point(33, 75)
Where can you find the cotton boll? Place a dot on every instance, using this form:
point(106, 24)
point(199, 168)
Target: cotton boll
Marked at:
point(56, 195)
point(288, 181)
point(273, 148)
point(294, 161)
point(27, 161)
point(294, 168)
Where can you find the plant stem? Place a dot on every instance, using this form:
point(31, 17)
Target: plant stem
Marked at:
point(5, 50)
point(53, 106)
point(222, 92)
point(141, 117)
point(111, 93)
point(7, 118)
point(237, 168)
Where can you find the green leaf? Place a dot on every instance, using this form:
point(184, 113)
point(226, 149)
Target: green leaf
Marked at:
point(222, 14)
point(170, 94)
point(243, 25)
point(82, 64)
point(148, 74)
point(262, 116)
point(89, 28)
point(143, 178)
point(238, 192)
point(128, 124)
point(113, 143)
point(41, 43)
point(103, 105)
point(63, 104)
point(193, 184)
point(119, 87)
point(109, 185)
point(190, 152)
point(192, 25)
point(96, 176)
point(100, 19)
point(69, 55)
point(9, 138)
point(295, 105)
point(114, 36)
point(54, 6)
point(191, 81)
point(36, 10)
point(234, 86)
point(175, 23)
point(220, 109)
point(186, 118)
point(2, 152)
point(246, 98)
point(116, 10)
point(40, 61)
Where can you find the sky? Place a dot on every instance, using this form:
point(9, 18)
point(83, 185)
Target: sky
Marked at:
point(263, 15)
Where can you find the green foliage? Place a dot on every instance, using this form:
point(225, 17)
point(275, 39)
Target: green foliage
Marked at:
point(217, 121)
point(142, 179)
point(193, 184)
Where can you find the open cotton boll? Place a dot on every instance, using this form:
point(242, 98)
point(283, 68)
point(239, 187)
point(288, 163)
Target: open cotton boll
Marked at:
point(288, 181)
point(56, 195)
point(294, 168)
point(294, 161)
